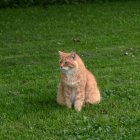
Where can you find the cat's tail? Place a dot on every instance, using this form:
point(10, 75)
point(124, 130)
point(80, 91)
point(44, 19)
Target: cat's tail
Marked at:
point(93, 97)
point(92, 91)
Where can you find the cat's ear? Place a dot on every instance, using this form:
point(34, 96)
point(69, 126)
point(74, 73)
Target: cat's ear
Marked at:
point(60, 53)
point(73, 55)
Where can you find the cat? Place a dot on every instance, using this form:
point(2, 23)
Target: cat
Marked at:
point(77, 84)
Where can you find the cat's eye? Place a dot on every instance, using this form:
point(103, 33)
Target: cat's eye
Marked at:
point(66, 62)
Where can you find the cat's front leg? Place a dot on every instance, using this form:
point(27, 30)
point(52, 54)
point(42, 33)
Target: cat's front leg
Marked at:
point(67, 98)
point(68, 102)
point(79, 100)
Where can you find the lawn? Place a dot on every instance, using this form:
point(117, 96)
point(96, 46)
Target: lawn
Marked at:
point(106, 36)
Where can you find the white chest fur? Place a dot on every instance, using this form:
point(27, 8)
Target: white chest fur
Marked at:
point(71, 79)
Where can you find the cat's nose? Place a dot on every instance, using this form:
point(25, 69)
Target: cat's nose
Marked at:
point(61, 67)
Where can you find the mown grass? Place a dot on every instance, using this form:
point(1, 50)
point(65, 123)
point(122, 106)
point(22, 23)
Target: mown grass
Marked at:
point(106, 36)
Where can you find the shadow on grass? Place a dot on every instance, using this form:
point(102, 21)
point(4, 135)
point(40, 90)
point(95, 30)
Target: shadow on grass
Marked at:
point(44, 104)
point(51, 103)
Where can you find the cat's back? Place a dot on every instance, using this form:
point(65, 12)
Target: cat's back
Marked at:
point(90, 77)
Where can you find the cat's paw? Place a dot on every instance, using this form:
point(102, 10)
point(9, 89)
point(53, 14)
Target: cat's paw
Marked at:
point(69, 105)
point(78, 108)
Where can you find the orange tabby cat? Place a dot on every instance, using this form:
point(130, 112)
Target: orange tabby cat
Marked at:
point(77, 85)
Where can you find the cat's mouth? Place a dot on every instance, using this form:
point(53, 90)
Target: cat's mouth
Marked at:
point(64, 69)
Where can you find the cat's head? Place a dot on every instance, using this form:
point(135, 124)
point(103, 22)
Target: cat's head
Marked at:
point(67, 61)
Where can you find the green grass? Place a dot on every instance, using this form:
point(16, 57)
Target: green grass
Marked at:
point(106, 36)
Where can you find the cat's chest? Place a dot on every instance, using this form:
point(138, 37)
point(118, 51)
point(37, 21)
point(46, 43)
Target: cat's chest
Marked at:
point(72, 80)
